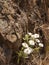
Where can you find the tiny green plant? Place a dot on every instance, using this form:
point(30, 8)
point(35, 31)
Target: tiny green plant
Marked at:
point(31, 43)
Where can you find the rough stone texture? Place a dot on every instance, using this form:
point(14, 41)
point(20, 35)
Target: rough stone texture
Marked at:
point(13, 23)
point(13, 26)
point(45, 29)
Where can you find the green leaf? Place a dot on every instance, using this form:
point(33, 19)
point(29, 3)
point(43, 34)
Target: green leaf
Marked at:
point(18, 60)
point(26, 37)
point(37, 49)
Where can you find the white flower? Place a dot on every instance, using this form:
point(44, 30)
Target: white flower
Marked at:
point(36, 35)
point(31, 42)
point(28, 50)
point(37, 40)
point(30, 34)
point(41, 45)
point(25, 45)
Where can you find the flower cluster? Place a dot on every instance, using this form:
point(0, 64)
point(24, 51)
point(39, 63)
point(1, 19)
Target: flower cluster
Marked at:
point(31, 42)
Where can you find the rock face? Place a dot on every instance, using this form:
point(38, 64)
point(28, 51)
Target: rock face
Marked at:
point(13, 23)
point(13, 26)
point(45, 29)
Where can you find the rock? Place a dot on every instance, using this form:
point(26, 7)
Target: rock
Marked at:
point(13, 23)
point(11, 38)
point(45, 29)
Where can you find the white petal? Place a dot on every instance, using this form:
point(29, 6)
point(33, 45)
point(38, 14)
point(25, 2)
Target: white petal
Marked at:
point(41, 45)
point(30, 34)
point(37, 40)
point(28, 50)
point(36, 35)
point(25, 45)
point(31, 42)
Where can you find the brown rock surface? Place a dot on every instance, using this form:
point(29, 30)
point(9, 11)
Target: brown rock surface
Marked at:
point(13, 22)
point(45, 29)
